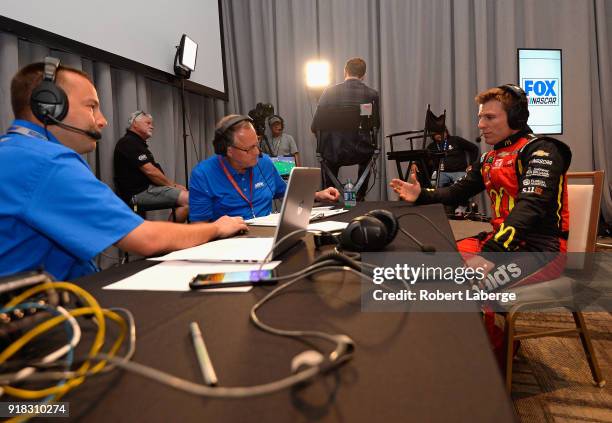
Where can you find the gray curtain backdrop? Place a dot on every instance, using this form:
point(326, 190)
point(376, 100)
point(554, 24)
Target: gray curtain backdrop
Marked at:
point(419, 52)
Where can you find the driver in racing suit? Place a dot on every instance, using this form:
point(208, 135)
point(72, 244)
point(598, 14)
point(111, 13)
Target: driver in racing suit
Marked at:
point(525, 179)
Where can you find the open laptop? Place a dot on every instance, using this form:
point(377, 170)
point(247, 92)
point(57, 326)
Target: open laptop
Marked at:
point(283, 165)
point(294, 216)
point(297, 204)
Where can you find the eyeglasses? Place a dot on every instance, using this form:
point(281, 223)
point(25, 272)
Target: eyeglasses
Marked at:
point(246, 150)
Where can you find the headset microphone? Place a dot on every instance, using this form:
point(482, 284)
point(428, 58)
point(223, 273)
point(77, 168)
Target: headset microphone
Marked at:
point(91, 134)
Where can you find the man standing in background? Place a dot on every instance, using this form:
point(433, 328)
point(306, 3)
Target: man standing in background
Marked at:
point(346, 148)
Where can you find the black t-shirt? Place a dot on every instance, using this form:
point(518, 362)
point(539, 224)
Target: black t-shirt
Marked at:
point(455, 148)
point(131, 152)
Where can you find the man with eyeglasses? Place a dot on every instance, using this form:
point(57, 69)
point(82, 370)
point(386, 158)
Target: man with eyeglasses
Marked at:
point(238, 180)
point(139, 179)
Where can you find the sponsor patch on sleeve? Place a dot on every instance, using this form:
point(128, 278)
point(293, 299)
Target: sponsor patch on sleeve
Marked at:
point(538, 171)
point(544, 162)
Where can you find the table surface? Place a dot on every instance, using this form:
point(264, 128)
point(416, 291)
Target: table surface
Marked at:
point(434, 367)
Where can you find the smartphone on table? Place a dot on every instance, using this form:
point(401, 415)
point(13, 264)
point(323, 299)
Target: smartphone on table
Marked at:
point(231, 279)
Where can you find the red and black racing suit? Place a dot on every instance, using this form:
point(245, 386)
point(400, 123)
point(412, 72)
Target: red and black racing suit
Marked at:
point(525, 179)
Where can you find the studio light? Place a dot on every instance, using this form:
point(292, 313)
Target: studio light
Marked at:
point(184, 64)
point(185, 59)
point(317, 74)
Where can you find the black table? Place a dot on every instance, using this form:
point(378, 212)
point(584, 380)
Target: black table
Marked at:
point(419, 367)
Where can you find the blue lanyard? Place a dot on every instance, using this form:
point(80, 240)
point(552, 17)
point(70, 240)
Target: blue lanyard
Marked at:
point(445, 145)
point(22, 130)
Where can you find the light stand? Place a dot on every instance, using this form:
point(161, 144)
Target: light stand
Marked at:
point(184, 64)
point(184, 131)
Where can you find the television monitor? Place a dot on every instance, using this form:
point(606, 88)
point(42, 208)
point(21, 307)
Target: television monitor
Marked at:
point(540, 76)
point(283, 164)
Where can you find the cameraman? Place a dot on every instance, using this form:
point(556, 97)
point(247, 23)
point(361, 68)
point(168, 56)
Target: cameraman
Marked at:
point(282, 144)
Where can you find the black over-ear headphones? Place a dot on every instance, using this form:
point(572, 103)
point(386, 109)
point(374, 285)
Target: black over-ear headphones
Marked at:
point(370, 232)
point(519, 112)
point(222, 141)
point(48, 101)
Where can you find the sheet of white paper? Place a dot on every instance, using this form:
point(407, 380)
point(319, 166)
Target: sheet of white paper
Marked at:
point(328, 226)
point(328, 213)
point(269, 220)
point(248, 250)
point(274, 219)
point(176, 275)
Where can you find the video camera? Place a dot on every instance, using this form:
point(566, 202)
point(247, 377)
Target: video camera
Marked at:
point(260, 114)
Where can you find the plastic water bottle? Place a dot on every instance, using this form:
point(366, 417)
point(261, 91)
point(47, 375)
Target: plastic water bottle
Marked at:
point(350, 197)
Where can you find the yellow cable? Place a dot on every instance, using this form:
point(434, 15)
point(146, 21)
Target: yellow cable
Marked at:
point(18, 344)
point(43, 327)
point(124, 330)
point(49, 324)
point(70, 383)
point(99, 340)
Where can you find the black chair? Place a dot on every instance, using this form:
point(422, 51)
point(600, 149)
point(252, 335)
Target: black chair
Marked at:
point(426, 160)
point(142, 210)
point(357, 135)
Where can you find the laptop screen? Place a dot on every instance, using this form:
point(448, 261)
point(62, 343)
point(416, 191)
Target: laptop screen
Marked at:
point(283, 164)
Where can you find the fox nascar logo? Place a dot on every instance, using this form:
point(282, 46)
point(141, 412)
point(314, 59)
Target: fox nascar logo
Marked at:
point(540, 91)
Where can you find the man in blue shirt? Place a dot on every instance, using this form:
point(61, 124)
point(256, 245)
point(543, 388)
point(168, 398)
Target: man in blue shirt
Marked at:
point(236, 181)
point(54, 213)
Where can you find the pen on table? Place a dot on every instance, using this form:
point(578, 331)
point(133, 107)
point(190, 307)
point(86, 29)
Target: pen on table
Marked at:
point(317, 216)
point(208, 372)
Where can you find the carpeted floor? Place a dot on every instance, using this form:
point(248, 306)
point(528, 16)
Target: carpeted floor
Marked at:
point(551, 379)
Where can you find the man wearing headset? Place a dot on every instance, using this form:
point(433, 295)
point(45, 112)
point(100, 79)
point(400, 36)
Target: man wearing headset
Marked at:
point(139, 179)
point(282, 144)
point(54, 213)
point(238, 180)
point(525, 178)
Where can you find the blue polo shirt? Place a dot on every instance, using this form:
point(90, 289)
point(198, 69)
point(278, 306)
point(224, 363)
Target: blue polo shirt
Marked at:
point(212, 195)
point(54, 213)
